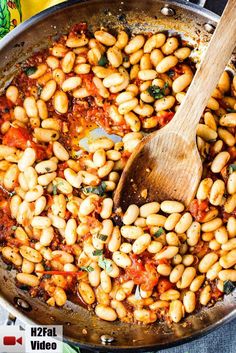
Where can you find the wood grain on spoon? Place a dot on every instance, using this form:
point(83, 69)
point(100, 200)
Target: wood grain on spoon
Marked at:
point(166, 164)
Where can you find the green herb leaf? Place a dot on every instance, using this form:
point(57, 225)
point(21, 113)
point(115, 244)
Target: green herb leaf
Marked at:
point(159, 232)
point(232, 168)
point(103, 61)
point(102, 237)
point(30, 70)
point(137, 293)
point(228, 287)
point(54, 190)
point(157, 92)
point(231, 110)
point(87, 268)
point(14, 227)
point(70, 349)
point(97, 252)
point(97, 190)
point(105, 264)
point(39, 89)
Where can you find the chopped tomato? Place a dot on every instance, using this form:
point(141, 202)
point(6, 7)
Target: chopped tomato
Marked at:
point(216, 293)
point(163, 285)
point(198, 209)
point(18, 137)
point(5, 104)
point(164, 118)
point(201, 249)
point(144, 274)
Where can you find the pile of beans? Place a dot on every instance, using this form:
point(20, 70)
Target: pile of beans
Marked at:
point(62, 234)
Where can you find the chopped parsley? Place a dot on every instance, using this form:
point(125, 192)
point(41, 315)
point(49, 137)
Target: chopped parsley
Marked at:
point(48, 169)
point(229, 287)
point(30, 70)
point(231, 110)
point(39, 89)
point(103, 61)
point(97, 190)
point(232, 168)
point(137, 293)
point(102, 237)
point(105, 264)
point(97, 252)
point(157, 92)
point(158, 233)
point(87, 268)
point(13, 227)
point(54, 190)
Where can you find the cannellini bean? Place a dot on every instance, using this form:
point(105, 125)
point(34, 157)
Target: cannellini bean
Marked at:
point(220, 161)
point(14, 205)
point(227, 275)
point(197, 283)
point(28, 279)
point(107, 205)
point(48, 90)
point(121, 259)
point(155, 41)
point(231, 227)
point(228, 120)
point(34, 194)
point(205, 295)
point(172, 206)
point(70, 232)
point(211, 226)
point(171, 294)
point(28, 158)
point(204, 189)
point(229, 259)
point(187, 277)
point(164, 103)
point(217, 192)
point(105, 38)
point(12, 255)
point(115, 240)
point(99, 157)
point(73, 178)
point(114, 56)
point(181, 83)
point(207, 261)
point(41, 222)
point(189, 301)
point(102, 142)
point(141, 244)
point(156, 220)
point(135, 44)
point(47, 236)
point(46, 135)
point(105, 313)
point(131, 214)
point(206, 133)
point(59, 151)
point(46, 179)
point(176, 273)
point(60, 296)
point(62, 185)
point(30, 254)
point(87, 206)
point(10, 177)
point(86, 292)
point(166, 63)
point(105, 282)
point(131, 232)
point(31, 107)
point(167, 253)
point(184, 223)
point(231, 183)
point(12, 93)
point(60, 102)
point(176, 310)
point(122, 39)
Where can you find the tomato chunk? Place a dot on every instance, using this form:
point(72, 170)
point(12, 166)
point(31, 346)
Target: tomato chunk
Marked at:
point(17, 137)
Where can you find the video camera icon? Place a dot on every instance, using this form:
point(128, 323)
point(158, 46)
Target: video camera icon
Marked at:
point(11, 340)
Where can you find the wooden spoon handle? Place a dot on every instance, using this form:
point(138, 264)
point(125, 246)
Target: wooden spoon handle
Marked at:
point(207, 76)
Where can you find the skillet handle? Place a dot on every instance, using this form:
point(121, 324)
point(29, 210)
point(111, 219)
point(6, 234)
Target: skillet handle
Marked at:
point(198, 2)
point(11, 320)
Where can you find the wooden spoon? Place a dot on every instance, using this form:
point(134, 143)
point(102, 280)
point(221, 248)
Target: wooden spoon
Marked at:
point(166, 164)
